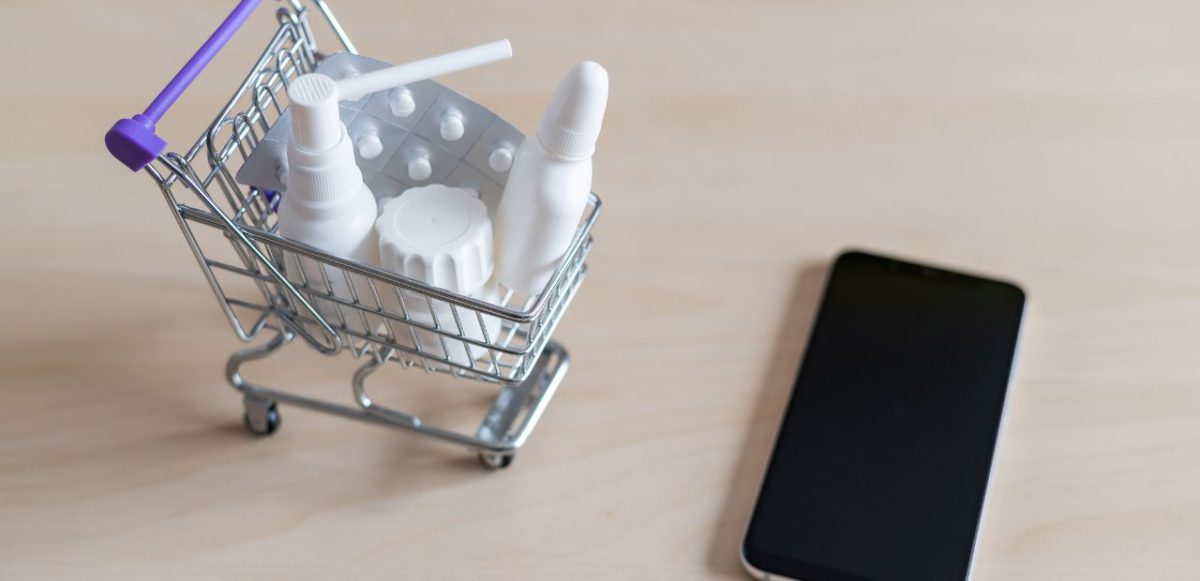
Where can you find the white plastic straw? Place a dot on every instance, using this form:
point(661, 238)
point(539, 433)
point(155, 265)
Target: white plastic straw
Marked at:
point(444, 64)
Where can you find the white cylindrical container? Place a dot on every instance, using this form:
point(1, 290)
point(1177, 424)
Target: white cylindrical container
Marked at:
point(440, 236)
point(327, 205)
point(549, 182)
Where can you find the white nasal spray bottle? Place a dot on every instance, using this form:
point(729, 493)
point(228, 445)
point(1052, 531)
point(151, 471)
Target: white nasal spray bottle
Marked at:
point(549, 183)
point(327, 205)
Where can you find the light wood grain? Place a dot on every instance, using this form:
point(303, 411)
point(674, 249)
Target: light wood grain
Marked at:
point(1051, 142)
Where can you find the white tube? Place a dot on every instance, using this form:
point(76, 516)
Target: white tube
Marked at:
point(444, 64)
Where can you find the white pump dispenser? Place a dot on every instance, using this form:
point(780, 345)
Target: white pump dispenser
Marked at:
point(549, 183)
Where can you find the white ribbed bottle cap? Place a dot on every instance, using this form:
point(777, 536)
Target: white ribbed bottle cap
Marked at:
point(571, 123)
point(439, 235)
point(323, 176)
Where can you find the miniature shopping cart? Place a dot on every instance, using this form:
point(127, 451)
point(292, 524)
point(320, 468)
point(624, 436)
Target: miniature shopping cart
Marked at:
point(233, 235)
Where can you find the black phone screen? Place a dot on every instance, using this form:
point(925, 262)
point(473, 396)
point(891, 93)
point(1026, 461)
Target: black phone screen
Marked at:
point(883, 456)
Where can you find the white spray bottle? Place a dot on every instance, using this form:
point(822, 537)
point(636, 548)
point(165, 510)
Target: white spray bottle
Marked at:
point(549, 183)
point(327, 205)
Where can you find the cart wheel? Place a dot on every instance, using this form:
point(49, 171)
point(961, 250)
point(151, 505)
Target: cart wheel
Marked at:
point(266, 425)
point(496, 461)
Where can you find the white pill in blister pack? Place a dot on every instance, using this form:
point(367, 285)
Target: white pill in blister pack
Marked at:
point(501, 158)
point(454, 123)
point(368, 144)
point(400, 101)
point(375, 141)
point(419, 168)
point(451, 128)
point(494, 151)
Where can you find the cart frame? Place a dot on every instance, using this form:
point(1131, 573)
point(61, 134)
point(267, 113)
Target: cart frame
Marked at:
point(521, 360)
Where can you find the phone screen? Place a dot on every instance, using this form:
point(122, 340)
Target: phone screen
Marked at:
point(882, 460)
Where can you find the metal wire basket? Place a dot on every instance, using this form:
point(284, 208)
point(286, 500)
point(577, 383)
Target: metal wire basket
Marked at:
point(258, 276)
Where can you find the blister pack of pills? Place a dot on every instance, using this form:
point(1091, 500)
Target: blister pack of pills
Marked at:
point(420, 134)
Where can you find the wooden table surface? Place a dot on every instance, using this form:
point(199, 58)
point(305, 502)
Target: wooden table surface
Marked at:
point(1051, 141)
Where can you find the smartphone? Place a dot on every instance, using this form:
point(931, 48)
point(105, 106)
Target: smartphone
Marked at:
point(881, 465)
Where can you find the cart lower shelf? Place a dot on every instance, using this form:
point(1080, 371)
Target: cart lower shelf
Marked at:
point(503, 430)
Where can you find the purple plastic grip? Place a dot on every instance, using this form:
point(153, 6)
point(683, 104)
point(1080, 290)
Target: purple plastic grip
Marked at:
point(133, 141)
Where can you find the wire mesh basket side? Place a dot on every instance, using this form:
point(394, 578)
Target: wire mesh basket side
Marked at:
point(265, 281)
point(254, 107)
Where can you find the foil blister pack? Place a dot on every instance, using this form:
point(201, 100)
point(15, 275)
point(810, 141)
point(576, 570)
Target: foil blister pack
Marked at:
point(420, 134)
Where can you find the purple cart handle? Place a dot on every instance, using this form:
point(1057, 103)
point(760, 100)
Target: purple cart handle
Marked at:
point(133, 141)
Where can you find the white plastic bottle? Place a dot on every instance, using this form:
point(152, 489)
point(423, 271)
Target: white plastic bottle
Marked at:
point(441, 236)
point(549, 183)
point(327, 205)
